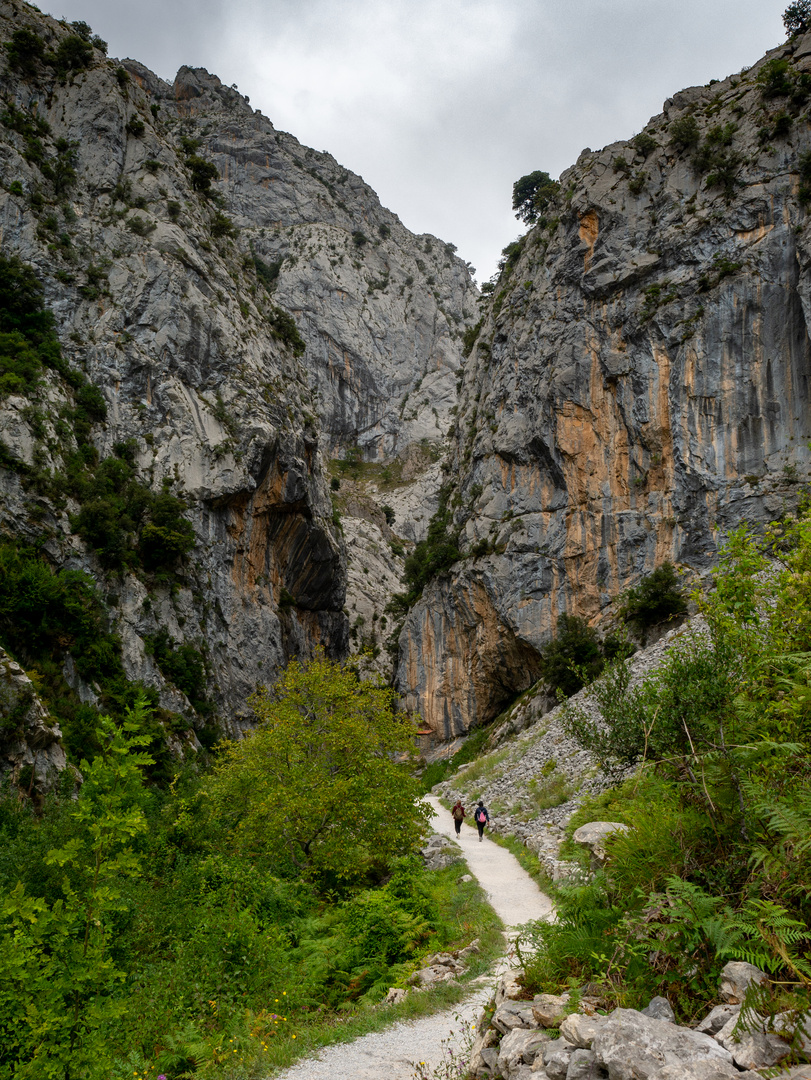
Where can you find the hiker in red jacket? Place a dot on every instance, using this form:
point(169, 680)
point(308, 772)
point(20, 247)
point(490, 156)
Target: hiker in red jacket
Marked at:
point(458, 815)
point(481, 817)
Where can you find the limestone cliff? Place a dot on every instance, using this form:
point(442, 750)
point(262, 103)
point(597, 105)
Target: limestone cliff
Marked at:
point(639, 386)
point(247, 310)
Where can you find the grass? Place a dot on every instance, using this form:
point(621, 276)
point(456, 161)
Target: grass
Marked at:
point(438, 771)
point(546, 792)
point(484, 766)
point(466, 915)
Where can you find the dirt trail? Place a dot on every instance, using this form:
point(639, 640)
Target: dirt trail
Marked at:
point(387, 1055)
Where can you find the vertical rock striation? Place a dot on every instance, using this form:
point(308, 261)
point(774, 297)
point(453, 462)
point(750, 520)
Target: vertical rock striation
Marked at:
point(639, 387)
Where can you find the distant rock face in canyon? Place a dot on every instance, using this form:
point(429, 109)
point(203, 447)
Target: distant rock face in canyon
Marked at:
point(249, 312)
point(639, 386)
point(252, 342)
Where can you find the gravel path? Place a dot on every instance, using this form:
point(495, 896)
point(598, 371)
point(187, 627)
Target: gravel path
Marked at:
point(387, 1055)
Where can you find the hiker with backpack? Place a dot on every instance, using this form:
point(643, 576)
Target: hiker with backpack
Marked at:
point(481, 817)
point(458, 815)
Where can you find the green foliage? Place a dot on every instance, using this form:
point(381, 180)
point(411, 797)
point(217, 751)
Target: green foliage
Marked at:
point(797, 17)
point(283, 328)
point(572, 658)
point(121, 519)
point(267, 272)
point(510, 255)
point(202, 173)
point(716, 863)
point(315, 787)
point(469, 338)
point(181, 663)
point(135, 127)
point(59, 979)
point(532, 194)
point(658, 598)
point(222, 226)
point(74, 53)
point(644, 143)
point(433, 555)
point(359, 239)
point(27, 338)
point(24, 51)
point(684, 132)
point(774, 78)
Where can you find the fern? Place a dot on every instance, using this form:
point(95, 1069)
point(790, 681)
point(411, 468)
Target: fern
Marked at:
point(768, 936)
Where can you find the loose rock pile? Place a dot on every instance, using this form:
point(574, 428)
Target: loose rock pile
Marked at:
point(528, 1040)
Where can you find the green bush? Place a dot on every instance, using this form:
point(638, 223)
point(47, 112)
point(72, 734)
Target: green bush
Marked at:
point(644, 143)
point(283, 328)
point(532, 194)
point(431, 556)
point(572, 658)
point(202, 173)
point(658, 598)
point(181, 663)
point(684, 132)
point(24, 51)
point(797, 17)
point(74, 53)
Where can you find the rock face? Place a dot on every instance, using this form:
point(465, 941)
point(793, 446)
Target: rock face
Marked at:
point(640, 385)
point(178, 234)
point(31, 749)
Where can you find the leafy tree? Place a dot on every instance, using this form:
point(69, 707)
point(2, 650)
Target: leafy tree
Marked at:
point(657, 599)
point(58, 977)
point(797, 17)
point(23, 50)
point(531, 195)
point(316, 787)
point(202, 172)
point(573, 657)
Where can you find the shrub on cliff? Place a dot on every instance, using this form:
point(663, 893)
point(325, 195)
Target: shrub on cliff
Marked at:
point(572, 658)
point(532, 194)
point(658, 598)
point(797, 17)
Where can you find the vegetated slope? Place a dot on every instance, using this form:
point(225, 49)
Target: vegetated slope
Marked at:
point(220, 296)
point(639, 384)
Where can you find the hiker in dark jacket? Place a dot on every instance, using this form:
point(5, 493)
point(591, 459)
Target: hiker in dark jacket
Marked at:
point(481, 817)
point(458, 815)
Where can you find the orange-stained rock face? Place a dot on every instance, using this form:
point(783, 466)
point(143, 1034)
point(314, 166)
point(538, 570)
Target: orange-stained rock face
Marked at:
point(641, 386)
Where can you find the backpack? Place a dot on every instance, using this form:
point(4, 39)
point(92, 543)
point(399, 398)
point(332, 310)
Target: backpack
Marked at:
point(458, 813)
point(481, 817)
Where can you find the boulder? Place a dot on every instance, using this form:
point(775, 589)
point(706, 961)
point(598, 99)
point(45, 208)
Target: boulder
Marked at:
point(556, 1057)
point(549, 1010)
point(513, 1014)
point(659, 1008)
point(632, 1046)
point(736, 978)
point(717, 1017)
point(708, 1069)
point(485, 1041)
point(581, 1065)
point(579, 1030)
point(521, 1046)
point(593, 836)
point(395, 995)
point(757, 1049)
point(509, 986)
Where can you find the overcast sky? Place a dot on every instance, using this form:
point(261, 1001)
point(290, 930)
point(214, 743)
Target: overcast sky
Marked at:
point(441, 104)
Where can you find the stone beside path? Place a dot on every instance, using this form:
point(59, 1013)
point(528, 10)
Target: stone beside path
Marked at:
point(389, 1054)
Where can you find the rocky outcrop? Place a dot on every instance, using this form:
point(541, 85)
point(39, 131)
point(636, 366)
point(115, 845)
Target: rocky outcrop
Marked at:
point(30, 740)
point(626, 1044)
point(249, 311)
point(640, 385)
